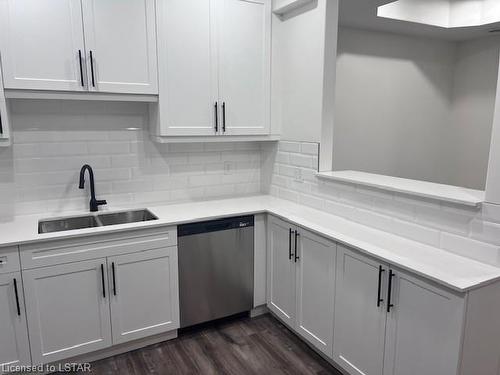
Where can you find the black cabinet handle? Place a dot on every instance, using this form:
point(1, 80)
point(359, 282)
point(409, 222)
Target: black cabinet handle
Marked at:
point(17, 298)
point(216, 117)
point(92, 68)
point(380, 272)
point(102, 280)
point(389, 291)
point(290, 244)
point(297, 234)
point(81, 67)
point(114, 277)
point(224, 117)
point(1, 132)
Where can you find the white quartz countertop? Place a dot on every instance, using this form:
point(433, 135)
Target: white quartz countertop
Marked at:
point(454, 271)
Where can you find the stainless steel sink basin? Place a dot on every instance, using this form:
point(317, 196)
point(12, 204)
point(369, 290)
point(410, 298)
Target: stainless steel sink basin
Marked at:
point(69, 223)
point(126, 217)
point(91, 221)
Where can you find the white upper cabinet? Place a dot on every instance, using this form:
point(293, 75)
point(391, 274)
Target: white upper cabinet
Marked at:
point(120, 41)
point(79, 45)
point(214, 67)
point(245, 53)
point(144, 294)
point(41, 42)
point(14, 346)
point(188, 66)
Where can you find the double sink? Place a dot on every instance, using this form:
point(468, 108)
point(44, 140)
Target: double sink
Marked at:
point(93, 221)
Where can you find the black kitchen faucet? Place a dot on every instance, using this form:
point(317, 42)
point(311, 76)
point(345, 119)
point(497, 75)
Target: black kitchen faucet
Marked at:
point(94, 203)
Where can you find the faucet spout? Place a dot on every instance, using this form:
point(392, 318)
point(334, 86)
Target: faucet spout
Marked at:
point(94, 203)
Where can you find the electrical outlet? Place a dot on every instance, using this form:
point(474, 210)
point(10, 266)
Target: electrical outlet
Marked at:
point(298, 175)
point(228, 167)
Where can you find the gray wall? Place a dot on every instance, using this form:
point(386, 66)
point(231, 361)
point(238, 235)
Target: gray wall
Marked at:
point(413, 107)
point(468, 136)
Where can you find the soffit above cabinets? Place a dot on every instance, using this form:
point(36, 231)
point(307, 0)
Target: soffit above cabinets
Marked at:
point(383, 15)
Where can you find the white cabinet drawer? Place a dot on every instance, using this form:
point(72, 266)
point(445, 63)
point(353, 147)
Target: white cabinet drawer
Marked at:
point(50, 253)
point(9, 260)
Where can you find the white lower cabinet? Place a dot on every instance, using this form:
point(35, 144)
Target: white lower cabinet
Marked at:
point(144, 291)
point(130, 293)
point(14, 345)
point(388, 322)
point(281, 271)
point(68, 310)
point(424, 328)
point(360, 319)
point(301, 282)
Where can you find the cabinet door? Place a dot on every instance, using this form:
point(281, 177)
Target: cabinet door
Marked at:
point(40, 42)
point(245, 65)
point(315, 290)
point(14, 346)
point(187, 48)
point(359, 328)
point(281, 271)
point(145, 294)
point(68, 310)
point(423, 328)
point(120, 38)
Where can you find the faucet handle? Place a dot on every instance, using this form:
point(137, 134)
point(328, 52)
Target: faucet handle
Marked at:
point(101, 202)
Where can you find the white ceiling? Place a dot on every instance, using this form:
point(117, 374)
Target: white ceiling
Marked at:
point(363, 14)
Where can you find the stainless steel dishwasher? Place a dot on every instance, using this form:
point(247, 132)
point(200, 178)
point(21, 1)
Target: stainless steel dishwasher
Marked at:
point(215, 269)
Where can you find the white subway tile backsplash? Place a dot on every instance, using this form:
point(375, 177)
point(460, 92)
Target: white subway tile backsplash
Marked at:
point(289, 146)
point(108, 148)
point(187, 195)
point(416, 232)
point(53, 139)
point(485, 231)
point(289, 195)
point(339, 209)
point(124, 161)
point(312, 201)
point(301, 160)
point(309, 148)
point(443, 220)
point(491, 212)
point(372, 219)
point(186, 147)
point(205, 180)
point(283, 157)
point(204, 157)
point(393, 207)
point(471, 248)
point(429, 221)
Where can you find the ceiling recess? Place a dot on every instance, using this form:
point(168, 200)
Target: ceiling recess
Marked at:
point(443, 13)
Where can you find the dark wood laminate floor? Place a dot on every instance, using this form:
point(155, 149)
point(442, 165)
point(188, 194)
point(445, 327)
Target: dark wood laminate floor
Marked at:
point(244, 346)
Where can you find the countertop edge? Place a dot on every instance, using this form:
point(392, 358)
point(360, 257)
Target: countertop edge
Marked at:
point(264, 206)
